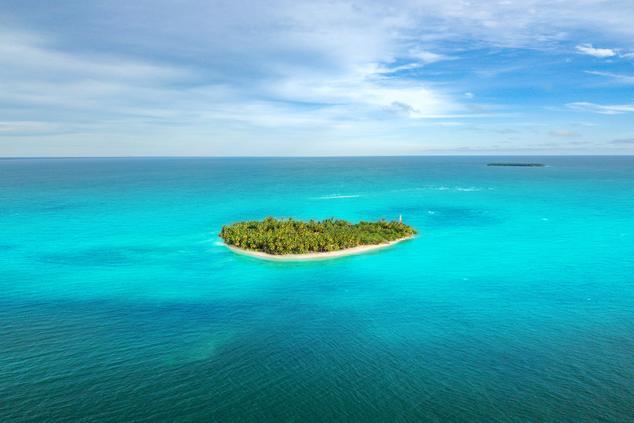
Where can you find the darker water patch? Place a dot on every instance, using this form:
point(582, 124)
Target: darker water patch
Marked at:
point(48, 208)
point(37, 208)
point(109, 257)
point(101, 256)
point(419, 359)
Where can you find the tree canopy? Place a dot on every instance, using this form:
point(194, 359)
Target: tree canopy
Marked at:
point(290, 236)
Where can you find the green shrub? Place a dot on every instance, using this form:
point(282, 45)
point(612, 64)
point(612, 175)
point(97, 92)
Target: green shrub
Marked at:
point(289, 236)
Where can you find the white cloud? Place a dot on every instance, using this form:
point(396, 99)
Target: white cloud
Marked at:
point(424, 56)
point(64, 87)
point(610, 109)
point(222, 69)
point(617, 77)
point(367, 90)
point(596, 52)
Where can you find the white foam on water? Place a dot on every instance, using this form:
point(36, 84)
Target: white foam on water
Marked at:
point(209, 238)
point(444, 188)
point(335, 196)
point(468, 189)
point(448, 188)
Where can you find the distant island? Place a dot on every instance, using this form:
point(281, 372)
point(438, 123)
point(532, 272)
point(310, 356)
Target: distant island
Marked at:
point(290, 239)
point(517, 164)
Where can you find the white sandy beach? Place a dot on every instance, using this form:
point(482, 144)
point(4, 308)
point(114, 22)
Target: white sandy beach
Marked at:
point(316, 256)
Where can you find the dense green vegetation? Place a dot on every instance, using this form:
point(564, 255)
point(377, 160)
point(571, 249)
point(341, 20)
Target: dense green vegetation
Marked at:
point(289, 236)
point(517, 164)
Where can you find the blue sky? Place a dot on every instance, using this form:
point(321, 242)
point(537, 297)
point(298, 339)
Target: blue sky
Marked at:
point(189, 77)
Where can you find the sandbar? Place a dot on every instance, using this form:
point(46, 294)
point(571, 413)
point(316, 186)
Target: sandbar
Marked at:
point(316, 256)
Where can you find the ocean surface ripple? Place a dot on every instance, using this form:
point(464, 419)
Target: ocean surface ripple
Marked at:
point(515, 302)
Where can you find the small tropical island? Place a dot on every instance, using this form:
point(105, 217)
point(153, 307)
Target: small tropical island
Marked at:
point(290, 239)
point(517, 164)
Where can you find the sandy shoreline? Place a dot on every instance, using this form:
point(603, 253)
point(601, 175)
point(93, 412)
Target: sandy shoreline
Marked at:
point(315, 256)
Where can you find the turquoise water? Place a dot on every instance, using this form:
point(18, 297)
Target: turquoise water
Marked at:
point(515, 303)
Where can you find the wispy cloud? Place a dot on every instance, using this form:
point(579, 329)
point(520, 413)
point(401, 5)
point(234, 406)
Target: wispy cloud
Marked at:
point(426, 57)
point(616, 77)
point(604, 109)
point(301, 76)
point(120, 88)
point(596, 52)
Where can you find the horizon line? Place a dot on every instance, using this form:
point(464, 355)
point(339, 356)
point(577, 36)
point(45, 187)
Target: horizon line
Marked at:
point(309, 156)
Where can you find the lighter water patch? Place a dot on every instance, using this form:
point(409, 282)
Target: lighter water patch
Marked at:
point(336, 197)
point(200, 351)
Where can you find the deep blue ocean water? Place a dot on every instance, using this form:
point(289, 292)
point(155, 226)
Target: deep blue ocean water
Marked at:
point(119, 303)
